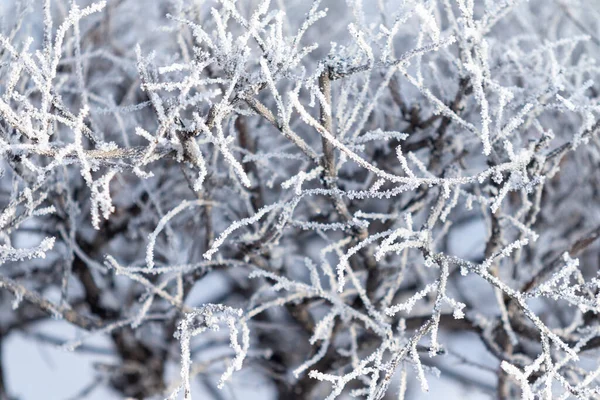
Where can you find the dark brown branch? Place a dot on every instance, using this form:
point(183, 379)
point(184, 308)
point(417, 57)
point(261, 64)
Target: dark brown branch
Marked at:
point(48, 307)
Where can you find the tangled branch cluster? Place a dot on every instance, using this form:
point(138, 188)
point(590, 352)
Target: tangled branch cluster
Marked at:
point(321, 161)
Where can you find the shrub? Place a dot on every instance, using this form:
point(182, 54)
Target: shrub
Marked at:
point(336, 189)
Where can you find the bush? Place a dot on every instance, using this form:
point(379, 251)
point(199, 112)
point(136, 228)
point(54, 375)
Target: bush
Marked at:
point(339, 190)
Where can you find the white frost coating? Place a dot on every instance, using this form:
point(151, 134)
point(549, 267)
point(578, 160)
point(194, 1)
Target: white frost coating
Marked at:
point(209, 316)
point(184, 205)
point(438, 162)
